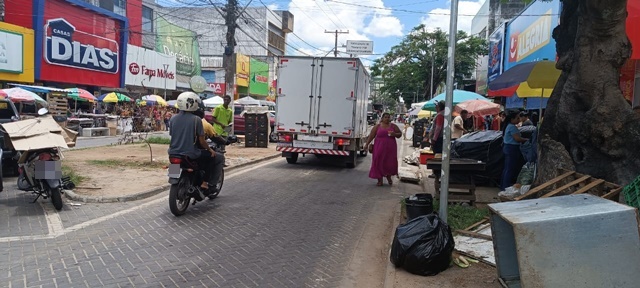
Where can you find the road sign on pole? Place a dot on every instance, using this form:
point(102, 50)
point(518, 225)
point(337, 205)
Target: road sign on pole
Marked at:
point(359, 47)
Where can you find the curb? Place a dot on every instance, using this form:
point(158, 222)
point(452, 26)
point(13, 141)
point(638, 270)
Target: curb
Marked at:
point(151, 192)
point(390, 273)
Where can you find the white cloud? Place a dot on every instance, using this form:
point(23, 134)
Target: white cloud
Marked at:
point(313, 17)
point(273, 7)
point(384, 26)
point(439, 17)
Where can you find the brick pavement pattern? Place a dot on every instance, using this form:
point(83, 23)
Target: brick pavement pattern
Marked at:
point(277, 226)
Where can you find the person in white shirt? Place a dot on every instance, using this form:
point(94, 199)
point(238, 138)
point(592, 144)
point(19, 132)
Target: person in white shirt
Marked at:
point(457, 129)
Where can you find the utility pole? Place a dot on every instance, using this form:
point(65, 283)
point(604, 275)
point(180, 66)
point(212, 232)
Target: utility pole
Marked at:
point(446, 146)
point(228, 58)
point(335, 49)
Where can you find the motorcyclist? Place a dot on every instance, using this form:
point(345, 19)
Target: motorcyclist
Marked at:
point(188, 140)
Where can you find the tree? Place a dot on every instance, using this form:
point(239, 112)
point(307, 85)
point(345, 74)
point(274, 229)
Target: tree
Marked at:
point(406, 69)
point(588, 126)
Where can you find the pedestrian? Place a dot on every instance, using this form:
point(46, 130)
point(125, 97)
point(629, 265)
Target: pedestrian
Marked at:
point(511, 150)
point(524, 118)
point(457, 129)
point(436, 133)
point(384, 149)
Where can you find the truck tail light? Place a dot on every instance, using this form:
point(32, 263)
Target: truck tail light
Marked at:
point(342, 142)
point(287, 138)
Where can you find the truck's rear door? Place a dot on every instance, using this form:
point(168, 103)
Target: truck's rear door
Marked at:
point(296, 80)
point(336, 97)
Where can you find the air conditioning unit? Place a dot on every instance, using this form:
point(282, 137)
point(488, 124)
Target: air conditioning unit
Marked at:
point(287, 21)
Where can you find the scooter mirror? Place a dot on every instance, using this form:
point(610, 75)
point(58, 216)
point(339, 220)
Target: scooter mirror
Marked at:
point(43, 111)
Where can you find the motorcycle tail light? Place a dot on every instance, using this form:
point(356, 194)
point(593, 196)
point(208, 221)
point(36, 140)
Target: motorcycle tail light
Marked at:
point(175, 160)
point(44, 157)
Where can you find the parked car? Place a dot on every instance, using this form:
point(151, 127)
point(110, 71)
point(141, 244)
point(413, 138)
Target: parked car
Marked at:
point(8, 113)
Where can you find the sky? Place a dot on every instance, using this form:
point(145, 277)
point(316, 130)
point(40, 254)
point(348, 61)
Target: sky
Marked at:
point(385, 22)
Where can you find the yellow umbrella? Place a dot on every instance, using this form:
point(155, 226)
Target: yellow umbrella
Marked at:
point(155, 99)
point(525, 91)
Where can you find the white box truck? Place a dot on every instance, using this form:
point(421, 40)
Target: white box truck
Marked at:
point(322, 107)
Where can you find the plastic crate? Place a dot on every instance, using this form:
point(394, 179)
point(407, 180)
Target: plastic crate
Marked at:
point(631, 193)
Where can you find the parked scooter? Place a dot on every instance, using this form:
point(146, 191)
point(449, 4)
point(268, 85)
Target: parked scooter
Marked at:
point(186, 177)
point(38, 142)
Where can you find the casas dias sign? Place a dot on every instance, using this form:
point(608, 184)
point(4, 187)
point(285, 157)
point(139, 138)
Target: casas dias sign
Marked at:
point(66, 46)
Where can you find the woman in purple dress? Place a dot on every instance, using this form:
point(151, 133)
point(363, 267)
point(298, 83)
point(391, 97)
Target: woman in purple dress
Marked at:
point(385, 149)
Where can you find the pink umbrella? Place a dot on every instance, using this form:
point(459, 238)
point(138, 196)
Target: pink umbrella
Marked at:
point(478, 107)
point(21, 95)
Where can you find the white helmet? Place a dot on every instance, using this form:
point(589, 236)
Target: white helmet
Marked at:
point(188, 101)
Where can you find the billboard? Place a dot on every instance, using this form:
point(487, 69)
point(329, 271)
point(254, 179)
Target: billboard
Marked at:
point(181, 43)
point(259, 78)
point(82, 47)
point(150, 69)
point(496, 53)
point(481, 75)
point(16, 53)
point(243, 63)
point(529, 36)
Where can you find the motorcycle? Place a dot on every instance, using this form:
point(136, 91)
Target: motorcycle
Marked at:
point(39, 168)
point(186, 177)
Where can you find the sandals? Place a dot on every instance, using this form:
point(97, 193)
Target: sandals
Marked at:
point(379, 183)
point(389, 180)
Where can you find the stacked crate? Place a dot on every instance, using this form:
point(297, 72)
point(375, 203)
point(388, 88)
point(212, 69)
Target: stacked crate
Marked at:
point(256, 130)
point(418, 130)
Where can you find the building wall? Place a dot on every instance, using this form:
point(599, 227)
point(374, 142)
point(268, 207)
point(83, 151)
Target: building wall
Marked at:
point(500, 11)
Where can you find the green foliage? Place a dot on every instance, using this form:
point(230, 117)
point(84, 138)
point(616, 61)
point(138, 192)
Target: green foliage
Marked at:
point(406, 69)
point(75, 178)
point(159, 140)
point(461, 217)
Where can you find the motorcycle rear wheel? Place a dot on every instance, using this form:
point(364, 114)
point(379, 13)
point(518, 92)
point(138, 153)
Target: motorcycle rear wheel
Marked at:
point(56, 198)
point(218, 187)
point(178, 206)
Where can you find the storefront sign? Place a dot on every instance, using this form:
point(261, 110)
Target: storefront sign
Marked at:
point(66, 46)
point(150, 69)
point(218, 88)
point(496, 52)
point(181, 43)
point(481, 75)
point(259, 74)
point(529, 35)
point(242, 70)
point(86, 47)
point(211, 62)
point(16, 53)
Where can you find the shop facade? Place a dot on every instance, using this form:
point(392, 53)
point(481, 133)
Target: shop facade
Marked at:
point(16, 54)
point(528, 38)
point(243, 64)
point(149, 72)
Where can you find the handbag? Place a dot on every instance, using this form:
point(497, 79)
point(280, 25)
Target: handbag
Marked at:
point(371, 148)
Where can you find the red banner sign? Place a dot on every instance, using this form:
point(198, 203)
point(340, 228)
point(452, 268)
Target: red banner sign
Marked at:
point(218, 88)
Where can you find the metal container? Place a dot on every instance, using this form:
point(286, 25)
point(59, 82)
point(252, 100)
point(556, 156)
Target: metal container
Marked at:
point(566, 241)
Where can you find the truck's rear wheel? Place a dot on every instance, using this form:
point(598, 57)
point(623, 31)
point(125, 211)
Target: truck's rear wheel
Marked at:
point(353, 158)
point(293, 159)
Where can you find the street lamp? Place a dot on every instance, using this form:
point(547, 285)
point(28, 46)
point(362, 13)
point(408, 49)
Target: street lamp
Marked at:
point(166, 66)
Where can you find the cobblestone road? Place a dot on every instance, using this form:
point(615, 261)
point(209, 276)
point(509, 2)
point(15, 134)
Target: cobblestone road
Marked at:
point(277, 225)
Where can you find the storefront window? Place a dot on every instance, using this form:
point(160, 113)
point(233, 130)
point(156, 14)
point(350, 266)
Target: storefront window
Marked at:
point(147, 19)
point(117, 6)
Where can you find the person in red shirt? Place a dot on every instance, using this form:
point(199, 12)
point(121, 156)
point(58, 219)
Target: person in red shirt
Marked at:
point(496, 124)
point(436, 133)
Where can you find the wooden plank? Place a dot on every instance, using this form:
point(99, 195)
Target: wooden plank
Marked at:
point(474, 235)
point(572, 183)
point(589, 186)
point(545, 185)
point(474, 225)
point(612, 194)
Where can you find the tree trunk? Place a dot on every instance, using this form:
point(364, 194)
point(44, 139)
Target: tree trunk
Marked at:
point(588, 126)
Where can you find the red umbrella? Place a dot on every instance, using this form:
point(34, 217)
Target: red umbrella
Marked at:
point(80, 94)
point(478, 107)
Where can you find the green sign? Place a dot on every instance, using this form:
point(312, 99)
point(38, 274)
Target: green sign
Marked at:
point(175, 40)
point(258, 78)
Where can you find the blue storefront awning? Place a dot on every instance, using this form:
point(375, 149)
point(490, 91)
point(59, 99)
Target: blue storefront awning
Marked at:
point(38, 89)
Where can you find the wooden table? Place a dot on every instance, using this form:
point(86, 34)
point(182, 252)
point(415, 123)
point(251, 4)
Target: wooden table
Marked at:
point(462, 192)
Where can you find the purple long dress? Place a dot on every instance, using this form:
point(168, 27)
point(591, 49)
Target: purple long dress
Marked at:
point(385, 154)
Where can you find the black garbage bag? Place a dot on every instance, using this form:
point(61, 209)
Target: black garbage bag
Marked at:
point(423, 246)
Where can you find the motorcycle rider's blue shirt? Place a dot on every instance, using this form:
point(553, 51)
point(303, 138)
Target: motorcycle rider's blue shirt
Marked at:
point(184, 129)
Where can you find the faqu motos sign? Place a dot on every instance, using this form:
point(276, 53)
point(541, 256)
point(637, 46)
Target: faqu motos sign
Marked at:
point(147, 68)
point(66, 46)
